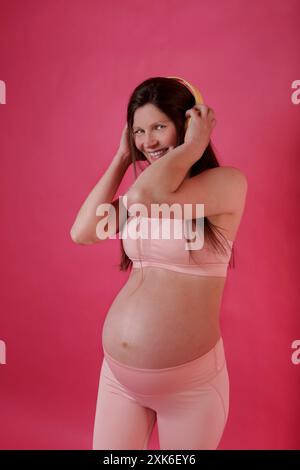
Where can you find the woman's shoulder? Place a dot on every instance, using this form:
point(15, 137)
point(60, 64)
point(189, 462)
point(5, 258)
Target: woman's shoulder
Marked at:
point(231, 174)
point(232, 171)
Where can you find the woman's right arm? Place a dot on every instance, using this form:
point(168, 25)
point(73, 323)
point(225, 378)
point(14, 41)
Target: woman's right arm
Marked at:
point(83, 230)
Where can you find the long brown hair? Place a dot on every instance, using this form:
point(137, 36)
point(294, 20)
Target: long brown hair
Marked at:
point(173, 99)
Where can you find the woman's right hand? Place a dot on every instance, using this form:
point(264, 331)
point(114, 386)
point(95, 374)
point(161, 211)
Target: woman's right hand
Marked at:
point(124, 149)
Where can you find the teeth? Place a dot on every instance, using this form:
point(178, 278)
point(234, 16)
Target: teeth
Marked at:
point(157, 154)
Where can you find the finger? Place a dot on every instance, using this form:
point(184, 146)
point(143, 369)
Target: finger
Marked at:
point(203, 109)
point(196, 111)
point(201, 105)
point(211, 116)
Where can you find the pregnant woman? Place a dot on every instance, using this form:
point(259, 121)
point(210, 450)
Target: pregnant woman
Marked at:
point(164, 357)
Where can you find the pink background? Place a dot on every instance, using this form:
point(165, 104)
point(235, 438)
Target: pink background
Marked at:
point(69, 68)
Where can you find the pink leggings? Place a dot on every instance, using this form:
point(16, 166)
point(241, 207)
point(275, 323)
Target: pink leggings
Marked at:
point(190, 403)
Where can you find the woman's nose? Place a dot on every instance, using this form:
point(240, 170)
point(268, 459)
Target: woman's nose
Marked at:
point(150, 141)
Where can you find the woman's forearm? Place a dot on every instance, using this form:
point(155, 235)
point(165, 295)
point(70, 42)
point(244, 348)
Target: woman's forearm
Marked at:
point(84, 227)
point(167, 173)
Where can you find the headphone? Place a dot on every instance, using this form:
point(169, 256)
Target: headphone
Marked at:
point(195, 92)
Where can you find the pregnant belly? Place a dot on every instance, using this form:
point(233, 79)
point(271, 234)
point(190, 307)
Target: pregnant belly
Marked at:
point(165, 322)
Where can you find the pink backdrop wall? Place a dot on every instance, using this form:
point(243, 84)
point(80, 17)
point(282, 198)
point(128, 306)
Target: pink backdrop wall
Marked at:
point(69, 68)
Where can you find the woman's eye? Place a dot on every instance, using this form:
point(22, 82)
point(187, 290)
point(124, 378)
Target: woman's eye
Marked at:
point(158, 125)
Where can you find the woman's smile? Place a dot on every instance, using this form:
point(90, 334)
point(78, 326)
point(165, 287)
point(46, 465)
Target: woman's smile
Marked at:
point(158, 153)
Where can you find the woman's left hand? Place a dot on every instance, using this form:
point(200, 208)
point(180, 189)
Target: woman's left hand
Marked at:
point(201, 121)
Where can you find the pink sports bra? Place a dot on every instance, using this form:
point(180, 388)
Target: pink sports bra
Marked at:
point(162, 243)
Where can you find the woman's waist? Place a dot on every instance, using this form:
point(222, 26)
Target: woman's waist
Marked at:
point(152, 282)
point(151, 299)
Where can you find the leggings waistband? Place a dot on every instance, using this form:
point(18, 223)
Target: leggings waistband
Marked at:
point(182, 376)
point(216, 355)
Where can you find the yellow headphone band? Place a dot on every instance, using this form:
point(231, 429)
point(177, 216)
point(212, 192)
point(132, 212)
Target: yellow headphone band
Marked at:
point(192, 89)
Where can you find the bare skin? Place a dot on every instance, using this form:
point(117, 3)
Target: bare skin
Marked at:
point(171, 318)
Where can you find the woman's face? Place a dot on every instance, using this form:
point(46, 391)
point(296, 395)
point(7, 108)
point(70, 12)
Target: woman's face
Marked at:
point(152, 131)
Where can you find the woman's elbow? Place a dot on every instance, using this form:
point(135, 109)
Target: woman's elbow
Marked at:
point(74, 236)
point(78, 238)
